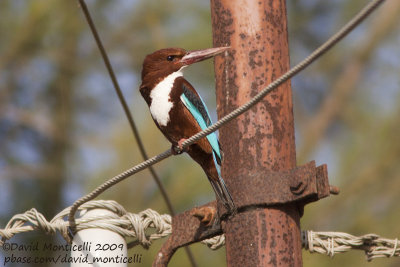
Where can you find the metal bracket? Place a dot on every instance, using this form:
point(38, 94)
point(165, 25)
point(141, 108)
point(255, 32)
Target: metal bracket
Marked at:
point(187, 229)
point(303, 184)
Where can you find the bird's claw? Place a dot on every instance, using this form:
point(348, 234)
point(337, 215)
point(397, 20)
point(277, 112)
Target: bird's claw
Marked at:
point(178, 149)
point(205, 214)
point(232, 210)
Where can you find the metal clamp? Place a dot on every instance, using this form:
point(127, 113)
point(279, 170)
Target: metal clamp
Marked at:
point(303, 184)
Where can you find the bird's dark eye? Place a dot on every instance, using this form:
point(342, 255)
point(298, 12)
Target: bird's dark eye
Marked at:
point(170, 58)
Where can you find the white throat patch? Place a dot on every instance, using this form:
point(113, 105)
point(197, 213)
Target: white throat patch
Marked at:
point(160, 101)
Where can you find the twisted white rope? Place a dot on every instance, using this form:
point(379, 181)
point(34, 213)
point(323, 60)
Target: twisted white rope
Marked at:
point(137, 225)
point(331, 243)
point(121, 222)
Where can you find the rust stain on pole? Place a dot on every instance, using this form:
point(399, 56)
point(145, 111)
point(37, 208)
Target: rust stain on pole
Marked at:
point(262, 139)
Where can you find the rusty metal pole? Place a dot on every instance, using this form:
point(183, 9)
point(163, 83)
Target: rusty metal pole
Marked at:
point(261, 140)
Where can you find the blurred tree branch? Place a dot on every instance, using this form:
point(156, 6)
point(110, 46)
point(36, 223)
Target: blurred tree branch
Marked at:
point(373, 173)
point(25, 118)
point(345, 84)
point(25, 36)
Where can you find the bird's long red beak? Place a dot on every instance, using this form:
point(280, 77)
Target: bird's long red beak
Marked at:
point(200, 55)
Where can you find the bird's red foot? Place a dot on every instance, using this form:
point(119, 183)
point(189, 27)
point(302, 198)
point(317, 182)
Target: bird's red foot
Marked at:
point(205, 214)
point(177, 149)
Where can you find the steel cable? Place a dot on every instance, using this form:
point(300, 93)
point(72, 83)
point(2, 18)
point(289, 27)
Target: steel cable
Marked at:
point(356, 20)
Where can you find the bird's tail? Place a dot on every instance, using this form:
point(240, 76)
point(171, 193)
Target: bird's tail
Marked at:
point(223, 194)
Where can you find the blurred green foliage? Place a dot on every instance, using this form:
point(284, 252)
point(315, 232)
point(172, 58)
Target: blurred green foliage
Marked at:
point(63, 132)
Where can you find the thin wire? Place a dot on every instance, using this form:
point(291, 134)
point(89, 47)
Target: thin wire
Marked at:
point(124, 104)
point(296, 69)
point(129, 114)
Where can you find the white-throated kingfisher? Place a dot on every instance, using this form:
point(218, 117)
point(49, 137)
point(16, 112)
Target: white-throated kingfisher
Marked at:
point(179, 112)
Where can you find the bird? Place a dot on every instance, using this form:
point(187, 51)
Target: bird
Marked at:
point(179, 111)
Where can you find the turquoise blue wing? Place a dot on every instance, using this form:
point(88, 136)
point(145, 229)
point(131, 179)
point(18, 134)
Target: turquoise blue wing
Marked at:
point(198, 109)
